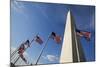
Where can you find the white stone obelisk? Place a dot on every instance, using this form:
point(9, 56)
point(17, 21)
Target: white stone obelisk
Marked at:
point(71, 48)
point(66, 53)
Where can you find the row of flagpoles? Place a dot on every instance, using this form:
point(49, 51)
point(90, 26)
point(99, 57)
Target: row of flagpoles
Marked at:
point(22, 48)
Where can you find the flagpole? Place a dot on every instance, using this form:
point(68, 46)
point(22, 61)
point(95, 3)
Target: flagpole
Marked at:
point(16, 60)
point(14, 57)
point(24, 50)
point(42, 50)
point(19, 56)
point(18, 48)
point(14, 51)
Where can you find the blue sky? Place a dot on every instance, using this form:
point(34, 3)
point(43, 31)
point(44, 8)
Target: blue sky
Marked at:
point(30, 18)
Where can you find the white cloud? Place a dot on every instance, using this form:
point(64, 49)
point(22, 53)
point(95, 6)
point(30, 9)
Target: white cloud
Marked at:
point(50, 58)
point(13, 49)
point(17, 6)
point(26, 55)
point(20, 8)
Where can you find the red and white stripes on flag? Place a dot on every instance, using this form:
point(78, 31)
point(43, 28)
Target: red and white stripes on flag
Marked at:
point(85, 34)
point(55, 37)
point(23, 46)
point(22, 49)
point(23, 58)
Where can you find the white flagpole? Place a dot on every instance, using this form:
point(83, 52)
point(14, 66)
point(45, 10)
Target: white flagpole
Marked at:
point(24, 51)
point(14, 51)
point(18, 48)
point(16, 60)
point(42, 50)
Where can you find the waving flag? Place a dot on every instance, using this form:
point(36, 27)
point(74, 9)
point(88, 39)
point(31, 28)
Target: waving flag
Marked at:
point(23, 47)
point(39, 40)
point(27, 43)
point(21, 51)
point(55, 37)
point(85, 34)
point(23, 58)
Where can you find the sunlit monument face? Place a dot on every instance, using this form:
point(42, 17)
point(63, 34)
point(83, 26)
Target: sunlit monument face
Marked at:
point(46, 33)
